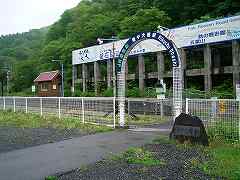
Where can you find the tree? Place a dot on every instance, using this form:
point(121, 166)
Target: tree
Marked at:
point(144, 20)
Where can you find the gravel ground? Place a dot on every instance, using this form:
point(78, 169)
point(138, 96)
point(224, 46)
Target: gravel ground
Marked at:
point(177, 166)
point(12, 138)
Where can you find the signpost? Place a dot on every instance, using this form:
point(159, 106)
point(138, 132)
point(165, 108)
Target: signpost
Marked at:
point(161, 90)
point(33, 89)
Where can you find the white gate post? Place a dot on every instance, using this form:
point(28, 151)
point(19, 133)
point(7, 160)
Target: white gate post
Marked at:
point(41, 108)
point(14, 104)
point(26, 103)
point(121, 96)
point(59, 108)
point(177, 90)
point(83, 118)
point(4, 103)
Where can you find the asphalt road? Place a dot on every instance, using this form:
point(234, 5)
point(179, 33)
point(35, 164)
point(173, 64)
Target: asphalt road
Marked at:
point(37, 162)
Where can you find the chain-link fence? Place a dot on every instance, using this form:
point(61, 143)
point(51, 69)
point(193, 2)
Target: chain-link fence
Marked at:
point(99, 110)
point(221, 117)
point(148, 111)
point(90, 110)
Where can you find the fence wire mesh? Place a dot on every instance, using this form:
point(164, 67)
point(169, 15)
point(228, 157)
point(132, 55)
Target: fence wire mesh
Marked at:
point(148, 111)
point(90, 110)
point(221, 117)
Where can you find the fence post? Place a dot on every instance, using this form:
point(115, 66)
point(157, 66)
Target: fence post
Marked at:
point(114, 112)
point(239, 119)
point(161, 107)
point(14, 104)
point(128, 107)
point(26, 107)
point(4, 103)
point(59, 108)
point(41, 108)
point(83, 120)
point(187, 102)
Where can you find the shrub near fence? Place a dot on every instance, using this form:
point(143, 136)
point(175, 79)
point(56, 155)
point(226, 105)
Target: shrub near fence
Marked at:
point(221, 117)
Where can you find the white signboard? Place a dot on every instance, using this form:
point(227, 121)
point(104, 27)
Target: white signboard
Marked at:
point(203, 33)
point(33, 88)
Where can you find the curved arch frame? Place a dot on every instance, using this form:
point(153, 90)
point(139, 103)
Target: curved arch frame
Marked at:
point(176, 63)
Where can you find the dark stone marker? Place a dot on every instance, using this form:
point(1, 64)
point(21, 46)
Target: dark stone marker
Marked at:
point(189, 128)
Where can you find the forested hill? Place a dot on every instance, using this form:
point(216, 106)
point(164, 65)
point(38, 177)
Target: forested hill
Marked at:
point(29, 53)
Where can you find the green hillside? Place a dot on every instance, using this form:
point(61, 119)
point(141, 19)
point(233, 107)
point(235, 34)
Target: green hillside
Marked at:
point(29, 53)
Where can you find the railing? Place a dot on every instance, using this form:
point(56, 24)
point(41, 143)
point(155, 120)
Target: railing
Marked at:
point(221, 117)
point(85, 109)
point(99, 110)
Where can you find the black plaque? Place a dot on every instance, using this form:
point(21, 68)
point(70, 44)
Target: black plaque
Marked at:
point(189, 128)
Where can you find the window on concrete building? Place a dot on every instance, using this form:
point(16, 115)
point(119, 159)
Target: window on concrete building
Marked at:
point(221, 54)
point(195, 58)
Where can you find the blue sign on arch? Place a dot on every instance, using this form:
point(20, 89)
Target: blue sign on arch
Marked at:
point(133, 41)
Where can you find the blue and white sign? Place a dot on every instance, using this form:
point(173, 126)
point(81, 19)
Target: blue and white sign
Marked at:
point(186, 36)
point(130, 44)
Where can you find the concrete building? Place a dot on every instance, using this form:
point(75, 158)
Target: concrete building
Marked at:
point(215, 55)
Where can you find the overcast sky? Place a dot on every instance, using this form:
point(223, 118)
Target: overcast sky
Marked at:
point(23, 15)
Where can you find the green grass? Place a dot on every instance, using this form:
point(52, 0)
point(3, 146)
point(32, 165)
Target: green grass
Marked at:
point(224, 157)
point(51, 178)
point(225, 160)
point(146, 119)
point(225, 130)
point(22, 120)
point(139, 156)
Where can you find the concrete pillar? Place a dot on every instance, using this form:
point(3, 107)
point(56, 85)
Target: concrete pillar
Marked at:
point(141, 70)
point(183, 56)
point(96, 76)
point(74, 77)
point(160, 65)
point(84, 77)
point(208, 67)
point(235, 62)
point(109, 73)
point(217, 58)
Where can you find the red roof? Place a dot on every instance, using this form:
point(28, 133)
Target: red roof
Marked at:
point(46, 76)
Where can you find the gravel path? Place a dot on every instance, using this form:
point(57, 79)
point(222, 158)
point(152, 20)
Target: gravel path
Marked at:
point(178, 166)
point(12, 138)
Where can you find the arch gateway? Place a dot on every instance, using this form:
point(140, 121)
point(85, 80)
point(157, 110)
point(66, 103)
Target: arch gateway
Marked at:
point(176, 64)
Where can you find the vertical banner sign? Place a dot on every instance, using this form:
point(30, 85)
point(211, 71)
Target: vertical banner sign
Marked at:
point(176, 63)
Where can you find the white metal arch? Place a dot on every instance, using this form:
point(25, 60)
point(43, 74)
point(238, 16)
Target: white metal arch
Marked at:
point(176, 63)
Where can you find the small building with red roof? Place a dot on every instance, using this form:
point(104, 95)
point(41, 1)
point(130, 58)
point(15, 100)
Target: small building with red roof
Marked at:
point(48, 84)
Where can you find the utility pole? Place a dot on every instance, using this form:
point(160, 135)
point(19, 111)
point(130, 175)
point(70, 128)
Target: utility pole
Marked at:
point(62, 74)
